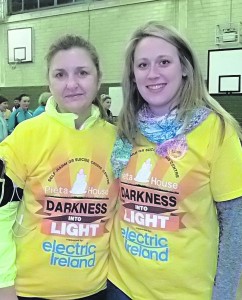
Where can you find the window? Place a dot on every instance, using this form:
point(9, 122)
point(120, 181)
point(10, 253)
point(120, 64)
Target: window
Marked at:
point(46, 3)
point(17, 5)
point(64, 1)
point(30, 4)
point(20, 6)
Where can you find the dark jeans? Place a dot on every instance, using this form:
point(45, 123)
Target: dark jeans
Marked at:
point(99, 296)
point(114, 293)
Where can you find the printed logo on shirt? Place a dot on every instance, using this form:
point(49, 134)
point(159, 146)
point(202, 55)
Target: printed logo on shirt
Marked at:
point(146, 245)
point(144, 173)
point(82, 160)
point(77, 210)
point(71, 255)
point(149, 207)
point(74, 217)
point(147, 200)
point(173, 153)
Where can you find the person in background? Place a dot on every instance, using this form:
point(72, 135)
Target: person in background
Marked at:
point(42, 103)
point(16, 103)
point(59, 197)
point(7, 111)
point(3, 123)
point(106, 102)
point(20, 114)
point(177, 233)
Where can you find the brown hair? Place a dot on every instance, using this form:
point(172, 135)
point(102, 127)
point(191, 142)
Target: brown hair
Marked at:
point(3, 99)
point(70, 41)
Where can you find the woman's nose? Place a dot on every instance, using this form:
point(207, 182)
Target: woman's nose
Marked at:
point(154, 72)
point(72, 82)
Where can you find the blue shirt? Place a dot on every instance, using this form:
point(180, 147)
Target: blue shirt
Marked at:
point(18, 116)
point(3, 127)
point(39, 110)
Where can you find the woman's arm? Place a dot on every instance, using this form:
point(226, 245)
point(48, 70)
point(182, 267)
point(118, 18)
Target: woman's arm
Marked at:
point(8, 293)
point(12, 121)
point(229, 267)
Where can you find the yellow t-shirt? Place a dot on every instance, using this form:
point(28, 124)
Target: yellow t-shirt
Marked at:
point(63, 224)
point(165, 237)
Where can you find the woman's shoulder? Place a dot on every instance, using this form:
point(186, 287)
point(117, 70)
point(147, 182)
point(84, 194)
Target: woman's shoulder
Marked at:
point(107, 127)
point(218, 122)
point(37, 122)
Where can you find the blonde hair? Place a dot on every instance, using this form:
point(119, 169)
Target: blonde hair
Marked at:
point(192, 93)
point(43, 98)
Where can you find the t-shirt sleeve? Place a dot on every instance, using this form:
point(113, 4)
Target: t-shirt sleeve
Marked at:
point(14, 153)
point(226, 166)
point(7, 245)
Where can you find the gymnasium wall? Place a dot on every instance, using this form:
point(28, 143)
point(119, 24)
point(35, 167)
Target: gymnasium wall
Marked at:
point(109, 28)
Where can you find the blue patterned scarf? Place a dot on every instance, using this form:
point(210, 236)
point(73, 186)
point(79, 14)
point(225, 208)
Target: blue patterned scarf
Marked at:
point(165, 132)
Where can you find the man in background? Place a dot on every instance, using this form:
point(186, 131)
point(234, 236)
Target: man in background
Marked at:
point(15, 103)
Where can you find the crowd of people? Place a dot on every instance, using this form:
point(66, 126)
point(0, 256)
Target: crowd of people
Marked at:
point(21, 112)
point(150, 209)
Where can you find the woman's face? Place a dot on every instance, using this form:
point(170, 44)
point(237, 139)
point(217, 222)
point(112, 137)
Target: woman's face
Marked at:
point(158, 74)
point(24, 102)
point(107, 103)
point(73, 80)
point(3, 106)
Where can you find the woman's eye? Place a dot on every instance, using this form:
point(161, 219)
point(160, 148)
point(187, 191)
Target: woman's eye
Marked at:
point(59, 75)
point(142, 65)
point(164, 62)
point(83, 73)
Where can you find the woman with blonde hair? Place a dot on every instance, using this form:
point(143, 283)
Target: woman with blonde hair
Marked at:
point(177, 233)
point(43, 98)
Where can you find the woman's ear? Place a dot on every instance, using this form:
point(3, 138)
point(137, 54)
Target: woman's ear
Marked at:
point(184, 72)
